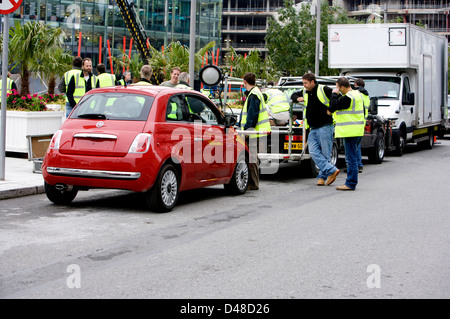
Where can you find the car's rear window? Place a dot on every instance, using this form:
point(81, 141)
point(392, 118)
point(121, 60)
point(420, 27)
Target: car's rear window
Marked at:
point(114, 106)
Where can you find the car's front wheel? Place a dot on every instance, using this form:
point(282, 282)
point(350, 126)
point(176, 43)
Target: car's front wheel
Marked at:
point(61, 195)
point(164, 194)
point(239, 182)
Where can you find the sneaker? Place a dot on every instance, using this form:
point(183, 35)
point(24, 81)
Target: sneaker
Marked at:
point(332, 177)
point(320, 182)
point(360, 169)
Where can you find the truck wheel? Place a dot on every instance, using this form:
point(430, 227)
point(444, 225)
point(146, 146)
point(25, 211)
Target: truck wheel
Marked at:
point(376, 153)
point(399, 143)
point(60, 197)
point(429, 142)
point(163, 196)
point(239, 181)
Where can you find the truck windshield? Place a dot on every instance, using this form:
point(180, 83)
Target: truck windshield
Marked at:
point(383, 87)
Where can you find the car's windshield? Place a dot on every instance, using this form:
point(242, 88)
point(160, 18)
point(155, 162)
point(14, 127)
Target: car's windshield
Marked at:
point(383, 87)
point(114, 106)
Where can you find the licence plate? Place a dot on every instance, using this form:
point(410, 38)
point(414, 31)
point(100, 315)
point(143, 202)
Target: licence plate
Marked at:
point(294, 146)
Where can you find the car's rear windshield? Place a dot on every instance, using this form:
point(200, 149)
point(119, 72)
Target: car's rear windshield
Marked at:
point(114, 106)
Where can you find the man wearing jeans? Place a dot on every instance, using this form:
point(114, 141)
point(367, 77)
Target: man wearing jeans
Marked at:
point(316, 98)
point(350, 122)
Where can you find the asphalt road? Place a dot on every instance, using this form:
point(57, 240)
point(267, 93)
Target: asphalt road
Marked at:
point(291, 239)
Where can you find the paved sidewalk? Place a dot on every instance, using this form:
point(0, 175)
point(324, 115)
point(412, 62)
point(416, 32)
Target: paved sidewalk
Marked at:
point(20, 179)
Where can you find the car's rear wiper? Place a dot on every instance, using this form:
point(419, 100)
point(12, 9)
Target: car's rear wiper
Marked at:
point(99, 116)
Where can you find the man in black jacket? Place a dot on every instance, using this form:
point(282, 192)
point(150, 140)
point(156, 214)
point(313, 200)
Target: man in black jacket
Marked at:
point(316, 99)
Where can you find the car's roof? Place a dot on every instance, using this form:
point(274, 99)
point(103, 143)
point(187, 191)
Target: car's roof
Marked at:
point(152, 90)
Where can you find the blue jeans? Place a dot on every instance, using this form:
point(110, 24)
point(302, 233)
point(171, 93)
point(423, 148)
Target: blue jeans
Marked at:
point(320, 141)
point(352, 145)
point(68, 109)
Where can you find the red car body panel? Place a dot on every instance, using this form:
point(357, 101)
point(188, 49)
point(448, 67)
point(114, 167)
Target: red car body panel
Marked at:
point(87, 146)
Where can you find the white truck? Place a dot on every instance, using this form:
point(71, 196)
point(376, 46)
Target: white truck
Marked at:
point(405, 67)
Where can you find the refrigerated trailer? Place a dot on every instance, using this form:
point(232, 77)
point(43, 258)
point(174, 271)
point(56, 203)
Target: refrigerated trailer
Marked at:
point(405, 67)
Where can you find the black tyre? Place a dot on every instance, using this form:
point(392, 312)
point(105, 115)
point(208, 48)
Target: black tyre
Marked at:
point(376, 154)
point(239, 182)
point(429, 142)
point(164, 194)
point(399, 143)
point(60, 197)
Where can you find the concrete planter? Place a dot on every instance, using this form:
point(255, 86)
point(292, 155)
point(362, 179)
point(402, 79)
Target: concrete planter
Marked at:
point(21, 124)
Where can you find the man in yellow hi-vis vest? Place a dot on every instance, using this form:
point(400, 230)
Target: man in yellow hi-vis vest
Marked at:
point(360, 85)
point(277, 105)
point(10, 85)
point(80, 83)
point(350, 122)
point(254, 117)
point(65, 80)
point(146, 75)
point(104, 79)
point(316, 98)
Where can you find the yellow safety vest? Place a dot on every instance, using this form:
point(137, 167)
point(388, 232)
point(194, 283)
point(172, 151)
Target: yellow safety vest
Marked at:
point(68, 76)
point(173, 112)
point(80, 86)
point(323, 98)
point(350, 122)
point(105, 79)
point(277, 101)
point(263, 123)
point(9, 84)
point(122, 82)
point(366, 100)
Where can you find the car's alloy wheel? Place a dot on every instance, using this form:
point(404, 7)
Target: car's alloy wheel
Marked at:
point(164, 194)
point(239, 182)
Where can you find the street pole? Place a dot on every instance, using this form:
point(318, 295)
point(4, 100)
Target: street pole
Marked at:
point(192, 43)
point(4, 87)
point(318, 3)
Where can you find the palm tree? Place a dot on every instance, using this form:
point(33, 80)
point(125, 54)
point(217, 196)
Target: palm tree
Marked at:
point(51, 66)
point(174, 55)
point(33, 41)
point(238, 65)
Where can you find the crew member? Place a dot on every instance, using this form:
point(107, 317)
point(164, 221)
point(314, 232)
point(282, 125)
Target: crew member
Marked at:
point(104, 79)
point(146, 74)
point(350, 122)
point(316, 99)
point(254, 117)
point(80, 83)
point(277, 105)
point(64, 83)
point(10, 85)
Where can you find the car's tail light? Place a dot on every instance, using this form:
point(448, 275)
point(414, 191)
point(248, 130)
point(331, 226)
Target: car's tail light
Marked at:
point(54, 143)
point(141, 143)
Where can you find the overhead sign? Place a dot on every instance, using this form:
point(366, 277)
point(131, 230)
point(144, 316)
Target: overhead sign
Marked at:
point(8, 6)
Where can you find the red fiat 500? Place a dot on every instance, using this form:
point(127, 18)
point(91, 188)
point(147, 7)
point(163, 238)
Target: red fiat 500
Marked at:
point(149, 139)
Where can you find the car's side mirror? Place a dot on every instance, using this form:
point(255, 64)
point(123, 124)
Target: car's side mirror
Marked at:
point(373, 107)
point(230, 120)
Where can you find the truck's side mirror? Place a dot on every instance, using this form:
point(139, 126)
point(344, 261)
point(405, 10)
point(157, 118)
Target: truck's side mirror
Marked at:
point(373, 107)
point(408, 99)
point(230, 120)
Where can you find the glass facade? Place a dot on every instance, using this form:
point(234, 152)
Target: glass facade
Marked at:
point(97, 21)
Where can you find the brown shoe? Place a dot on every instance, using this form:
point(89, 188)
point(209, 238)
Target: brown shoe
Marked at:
point(320, 182)
point(344, 188)
point(332, 177)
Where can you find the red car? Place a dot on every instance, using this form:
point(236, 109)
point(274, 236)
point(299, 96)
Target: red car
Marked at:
point(150, 139)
